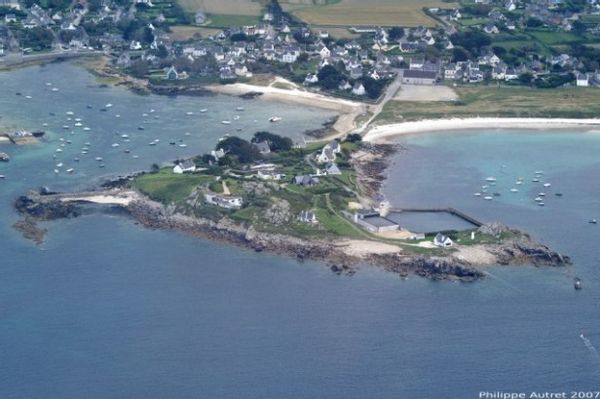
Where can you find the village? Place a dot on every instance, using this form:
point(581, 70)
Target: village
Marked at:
point(541, 43)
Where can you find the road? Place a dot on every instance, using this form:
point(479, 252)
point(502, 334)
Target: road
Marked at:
point(390, 93)
point(16, 59)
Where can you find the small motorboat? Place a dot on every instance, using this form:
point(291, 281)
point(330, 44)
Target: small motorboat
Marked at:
point(514, 190)
point(2, 177)
point(108, 105)
point(558, 194)
point(274, 119)
point(577, 284)
point(140, 127)
point(203, 110)
point(547, 184)
point(70, 170)
point(487, 198)
point(115, 144)
point(226, 122)
point(477, 194)
point(99, 159)
point(239, 109)
point(541, 204)
point(189, 113)
point(593, 221)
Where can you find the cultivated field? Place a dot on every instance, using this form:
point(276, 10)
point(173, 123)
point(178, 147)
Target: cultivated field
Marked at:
point(375, 12)
point(493, 101)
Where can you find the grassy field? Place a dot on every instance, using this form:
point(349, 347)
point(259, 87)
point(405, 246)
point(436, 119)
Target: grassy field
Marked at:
point(183, 33)
point(167, 187)
point(232, 7)
point(377, 12)
point(551, 38)
point(500, 101)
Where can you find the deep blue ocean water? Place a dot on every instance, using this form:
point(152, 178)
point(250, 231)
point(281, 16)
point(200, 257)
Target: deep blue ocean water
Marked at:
point(108, 309)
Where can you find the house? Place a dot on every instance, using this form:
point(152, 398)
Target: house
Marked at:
point(8, 18)
point(306, 180)
point(311, 78)
point(358, 89)
point(307, 217)
point(263, 147)
point(416, 63)
point(583, 80)
point(491, 29)
point(323, 51)
point(415, 77)
point(227, 202)
point(172, 74)
point(442, 241)
point(332, 169)
point(199, 18)
point(184, 166)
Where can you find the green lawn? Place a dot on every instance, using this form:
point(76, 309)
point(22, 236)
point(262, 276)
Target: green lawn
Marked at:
point(503, 101)
point(227, 20)
point(550, 38)
point(167, 187)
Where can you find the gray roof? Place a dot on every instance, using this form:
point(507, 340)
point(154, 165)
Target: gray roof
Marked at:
point(410, 73)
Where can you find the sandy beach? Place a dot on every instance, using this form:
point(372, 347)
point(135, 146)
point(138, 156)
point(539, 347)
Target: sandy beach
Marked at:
point(348, 110)
point(122, 198)
point(383, 132)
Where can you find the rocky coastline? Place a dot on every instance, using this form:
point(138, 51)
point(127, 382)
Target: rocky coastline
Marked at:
point(36, 207)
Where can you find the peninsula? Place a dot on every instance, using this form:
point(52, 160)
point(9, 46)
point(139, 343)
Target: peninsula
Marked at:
point(318, 200)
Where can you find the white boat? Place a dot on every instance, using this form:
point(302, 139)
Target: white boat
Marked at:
point(2, 177)
point(514, 190)
point(203, 110)
point(45, 124)
point(487, 198)
point(274, 119)
point(144, 115)
point(117, 116)
point(28, 97)
point(541, 203)
point(135, 156)
point(547, 184)
point(519, 183)
point(535, 180)
point(541, 194)
point(98, 159)
point(66, 127)
point(152, 110)
point(108, 105)
point(237, 117)
point(48, 84)
point(183, 145)
point(58, 150)
point(239, 109)
point(77, 119)
point(59, 165)
point(56, 171)
point(86, 129)
point(188, 134)
point(115, 144)
point(490, 179)
point(70, 113)
point(477, 194)
point(78, 124)
point(189, 113)
point(226, 122)
point(539, 172)
point(538, 199)
point(70, 170)
point(54, 89)
point(124, 136)
point(592, 221)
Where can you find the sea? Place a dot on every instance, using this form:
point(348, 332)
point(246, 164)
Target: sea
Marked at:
point(106, 308)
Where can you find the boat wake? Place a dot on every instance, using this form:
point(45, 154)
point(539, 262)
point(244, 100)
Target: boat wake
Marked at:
point(591, 348)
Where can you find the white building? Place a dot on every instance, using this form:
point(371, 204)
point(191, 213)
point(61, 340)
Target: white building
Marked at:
point(442, 241)
point(183, 167)
point(223, 201)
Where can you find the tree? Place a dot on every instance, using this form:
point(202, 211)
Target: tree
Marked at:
point(329, 77)
point(526, 78)
point(139, 69)
point(244, 151)
point(533, 22)
point(276, 142)
point(460, 54)
point(396, 33)
point(373, 87)
point(472, 40)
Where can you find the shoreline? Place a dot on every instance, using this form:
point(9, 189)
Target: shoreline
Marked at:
point(390, 131)
point(342, 255)
point(347, 110)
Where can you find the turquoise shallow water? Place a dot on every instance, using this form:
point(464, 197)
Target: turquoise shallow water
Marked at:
point(106, 308)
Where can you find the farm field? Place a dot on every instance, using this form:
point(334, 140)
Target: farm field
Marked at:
point(500, 101)
point(377, 12)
